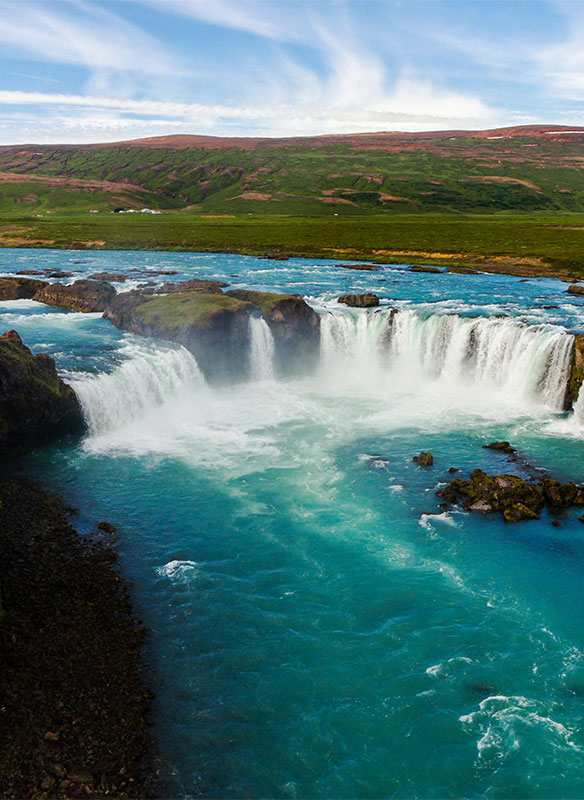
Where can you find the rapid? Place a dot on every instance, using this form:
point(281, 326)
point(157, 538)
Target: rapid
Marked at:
point(319, 625)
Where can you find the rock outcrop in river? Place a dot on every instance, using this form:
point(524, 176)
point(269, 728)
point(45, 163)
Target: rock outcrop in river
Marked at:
point(214, 325)
point(19, 288)
point(510, 495)
point(35, 405)
point(83, 295)
point(359, 300)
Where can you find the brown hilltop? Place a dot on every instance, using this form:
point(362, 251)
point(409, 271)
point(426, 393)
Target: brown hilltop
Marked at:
point(365, 141)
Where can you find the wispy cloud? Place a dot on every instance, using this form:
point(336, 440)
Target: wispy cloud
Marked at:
point(78, 33)
point(287, 67)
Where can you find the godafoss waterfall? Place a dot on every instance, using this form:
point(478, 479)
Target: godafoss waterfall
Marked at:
point(321, 625)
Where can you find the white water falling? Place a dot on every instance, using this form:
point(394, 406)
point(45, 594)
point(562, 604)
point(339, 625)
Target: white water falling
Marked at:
point(522, 362)
point(261, 355)
point(578, 416)
point(149, 377)
point(353, 340)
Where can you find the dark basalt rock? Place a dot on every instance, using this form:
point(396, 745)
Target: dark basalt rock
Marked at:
point(424, 459)
point(74, 704)
point(515, 498)
point(295, 327)
point(503, 447)
point(83, 295)
point(359, 300)
point(35, 405)
point(19, 288)
point(113, 277)
point(433, 270)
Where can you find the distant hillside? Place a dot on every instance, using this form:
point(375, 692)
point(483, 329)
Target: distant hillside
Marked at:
point(523, 169)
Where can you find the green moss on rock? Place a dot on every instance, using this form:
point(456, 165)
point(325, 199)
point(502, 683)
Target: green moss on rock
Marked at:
point(181, 311)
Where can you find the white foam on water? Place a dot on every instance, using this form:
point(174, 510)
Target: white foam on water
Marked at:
point(505, 725)
point(178, 571)
point(481, 365)
point(426, 520)
point(148, 377)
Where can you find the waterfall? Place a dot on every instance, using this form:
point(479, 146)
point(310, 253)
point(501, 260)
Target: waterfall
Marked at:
point(521, 361)
point(148, 377)
point(261, 355)
point(578, 416)
point(353, 339)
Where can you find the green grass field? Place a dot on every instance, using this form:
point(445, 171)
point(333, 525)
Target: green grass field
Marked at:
point(520, 244)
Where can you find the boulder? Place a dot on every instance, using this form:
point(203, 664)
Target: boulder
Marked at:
point(359, 300)
point(575, 289)
point(294, 325)
point(515, 498)
point(83, 295)
point(113, 277)
point(19, 288)
point(433, 270)
point(518, 512)
point(35, 405)
point(481, 507)
point(424, 459)
point(503, 447)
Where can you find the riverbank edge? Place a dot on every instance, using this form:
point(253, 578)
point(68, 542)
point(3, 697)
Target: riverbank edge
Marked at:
point(518, 266)
point(73, 699)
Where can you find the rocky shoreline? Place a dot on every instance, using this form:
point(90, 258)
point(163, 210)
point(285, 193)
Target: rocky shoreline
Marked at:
point(73, 702)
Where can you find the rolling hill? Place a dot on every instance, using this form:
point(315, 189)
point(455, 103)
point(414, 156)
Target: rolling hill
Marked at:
point(522, 169)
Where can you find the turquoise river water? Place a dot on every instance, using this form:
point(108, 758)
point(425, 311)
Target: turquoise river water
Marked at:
point(320, 627)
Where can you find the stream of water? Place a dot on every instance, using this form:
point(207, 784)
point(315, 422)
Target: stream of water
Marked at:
point(320, 627)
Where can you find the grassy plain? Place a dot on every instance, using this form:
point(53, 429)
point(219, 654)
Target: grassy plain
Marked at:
point(545, 244)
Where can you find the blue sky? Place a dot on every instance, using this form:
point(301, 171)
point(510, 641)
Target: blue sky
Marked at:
point(106, 70)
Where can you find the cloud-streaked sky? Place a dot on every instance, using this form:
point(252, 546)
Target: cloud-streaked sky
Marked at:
point(105, 70)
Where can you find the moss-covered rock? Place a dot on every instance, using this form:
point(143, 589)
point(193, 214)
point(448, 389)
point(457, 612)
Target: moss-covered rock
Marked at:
point(35, 405)
point(192, 285)
point(19, 288)
point(515, 498)
point(368, 300)
point(83, 295)
point(214, 327)
point(424, 459)
point(295, 327)
point(576, 374)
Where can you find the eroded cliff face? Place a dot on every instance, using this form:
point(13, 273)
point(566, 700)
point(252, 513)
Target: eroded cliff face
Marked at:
point(576, 374)
point(35, 405)
point(294, 325)
point(214, 326)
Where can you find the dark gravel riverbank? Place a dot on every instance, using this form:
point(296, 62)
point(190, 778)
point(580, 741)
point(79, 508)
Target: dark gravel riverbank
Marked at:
point(73, 705)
